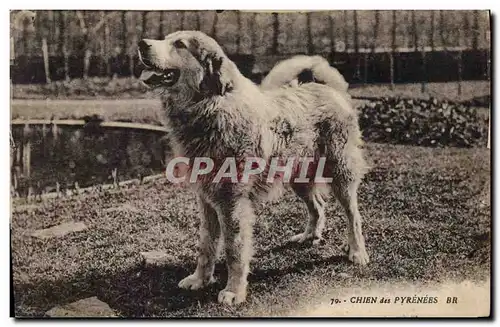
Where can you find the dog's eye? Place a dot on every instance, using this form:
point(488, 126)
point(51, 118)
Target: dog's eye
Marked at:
point(179, 44)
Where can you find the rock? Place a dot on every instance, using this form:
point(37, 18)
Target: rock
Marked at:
point(344, 275)
point(59, 230)
point(89, 307)
point(156, 257)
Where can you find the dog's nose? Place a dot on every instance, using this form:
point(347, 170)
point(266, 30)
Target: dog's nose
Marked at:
point(144, 45)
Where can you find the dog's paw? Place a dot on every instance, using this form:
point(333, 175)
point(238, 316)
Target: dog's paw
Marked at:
point(194, 282)
point(303, 237)
point(359, 256)
point(231, 298)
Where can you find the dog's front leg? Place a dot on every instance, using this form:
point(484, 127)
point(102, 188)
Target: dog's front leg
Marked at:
point(207, 249)
point(237, 221)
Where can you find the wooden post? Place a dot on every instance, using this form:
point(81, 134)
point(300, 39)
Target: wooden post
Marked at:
point(276, 28)
point(356, 44)
point(213, 33)
point(475, 30)
point(114, 174)
point(63, 42)
point(414, 30)
point(416, 41)
point(124, 31)
point(19, 155)
point(45, 52)
point(433, 27)
point(442, 25)
point(466, 29)
point(310, 43)
point(49, 25)
point(332, 36)
point(85, 41)
point(238, 33)
point(365, 70)
point(253, 37)
point(27, 151)
point(107, 47)
point(86, 63)
point(393, 48)
point(55, 133)
point(391, 64)
point(12, 52)
point(376, 28)
point(161, 26)
point(133, 41)
point(102, 46)
point(424, 70)
point(459, 68)
point(356, 32)
point(346, 32)
point(198, 21)
point(457, 31)
point(183, 19)
point(124, 45)
point(459, 61)
point(144, 25)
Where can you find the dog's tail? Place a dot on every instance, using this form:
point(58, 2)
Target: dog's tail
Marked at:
point(304, 69)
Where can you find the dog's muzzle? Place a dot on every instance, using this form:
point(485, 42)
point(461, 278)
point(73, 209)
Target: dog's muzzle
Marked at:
point(153, 75)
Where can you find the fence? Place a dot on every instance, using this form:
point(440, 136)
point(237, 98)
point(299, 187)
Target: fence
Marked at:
point(103, 43)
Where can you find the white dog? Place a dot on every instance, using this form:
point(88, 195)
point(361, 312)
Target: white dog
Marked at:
point(213, 111)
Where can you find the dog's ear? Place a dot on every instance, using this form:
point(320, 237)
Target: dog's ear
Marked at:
point(216, 79)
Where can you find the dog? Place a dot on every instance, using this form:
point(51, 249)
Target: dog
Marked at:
point(212, 110)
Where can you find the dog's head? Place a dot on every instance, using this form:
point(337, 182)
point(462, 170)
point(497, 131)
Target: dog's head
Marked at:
point(190, 62)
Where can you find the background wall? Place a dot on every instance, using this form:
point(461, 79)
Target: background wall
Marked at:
point(103, 43)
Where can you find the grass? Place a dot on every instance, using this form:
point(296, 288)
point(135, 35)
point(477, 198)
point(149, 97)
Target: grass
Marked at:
point(423, 222)
point(146, 111)
point(133, 110)
point(130, 88)
point(146, 107)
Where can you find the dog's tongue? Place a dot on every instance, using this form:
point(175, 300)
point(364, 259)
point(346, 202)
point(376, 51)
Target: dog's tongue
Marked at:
point(146, 75)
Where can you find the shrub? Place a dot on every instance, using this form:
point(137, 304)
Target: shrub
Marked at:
point(422, 122)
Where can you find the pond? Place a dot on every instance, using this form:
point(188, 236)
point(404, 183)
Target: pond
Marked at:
point(68, 154)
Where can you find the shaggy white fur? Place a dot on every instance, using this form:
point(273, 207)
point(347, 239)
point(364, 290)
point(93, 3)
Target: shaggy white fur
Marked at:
point(287, 72)
point(213, 111)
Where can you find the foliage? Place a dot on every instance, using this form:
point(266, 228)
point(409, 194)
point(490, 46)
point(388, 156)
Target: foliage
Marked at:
point(422, 122)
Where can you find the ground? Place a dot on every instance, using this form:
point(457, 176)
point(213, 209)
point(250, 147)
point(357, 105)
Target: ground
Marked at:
point(426, 219)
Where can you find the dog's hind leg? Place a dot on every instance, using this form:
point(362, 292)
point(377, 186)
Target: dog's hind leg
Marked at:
point(347, 177)
point(207, 249)
point(316, 211)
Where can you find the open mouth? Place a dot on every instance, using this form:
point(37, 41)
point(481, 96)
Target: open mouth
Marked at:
point(166, 77)
point(155, 76)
